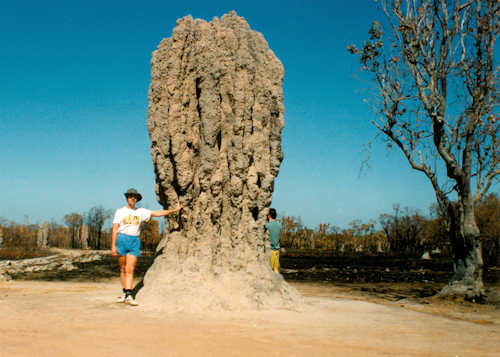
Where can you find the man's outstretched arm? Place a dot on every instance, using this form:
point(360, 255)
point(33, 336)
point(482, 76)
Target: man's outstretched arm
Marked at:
point(166, 212)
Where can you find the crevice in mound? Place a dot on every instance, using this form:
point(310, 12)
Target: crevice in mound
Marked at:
point(219, 139)
point(198, 95)
point(255, 213)
point(162, 198)
point(175, 184)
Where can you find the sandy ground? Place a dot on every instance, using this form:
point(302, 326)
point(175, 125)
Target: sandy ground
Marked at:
point(82, 319)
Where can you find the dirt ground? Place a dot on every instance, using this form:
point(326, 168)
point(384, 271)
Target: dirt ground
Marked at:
point(72, 318)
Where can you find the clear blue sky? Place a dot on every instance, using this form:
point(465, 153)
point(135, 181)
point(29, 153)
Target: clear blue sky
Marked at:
point(73, 107)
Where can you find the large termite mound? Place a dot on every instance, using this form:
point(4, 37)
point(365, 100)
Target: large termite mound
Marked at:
point(215, 120)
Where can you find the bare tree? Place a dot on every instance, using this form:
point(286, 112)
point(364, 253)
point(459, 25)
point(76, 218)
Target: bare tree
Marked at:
point(95, 219)
point(403, 230)
point(436, 99)
point(74, 222)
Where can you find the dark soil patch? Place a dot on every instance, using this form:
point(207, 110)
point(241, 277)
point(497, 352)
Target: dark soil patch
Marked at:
point(390, 278)
point(105, 268)
point(370, 269)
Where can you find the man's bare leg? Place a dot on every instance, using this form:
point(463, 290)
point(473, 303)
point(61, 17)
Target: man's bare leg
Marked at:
point(127, 267)
point(131, 261)
point(122, 260)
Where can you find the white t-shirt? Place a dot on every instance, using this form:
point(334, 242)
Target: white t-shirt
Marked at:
point(130, 220)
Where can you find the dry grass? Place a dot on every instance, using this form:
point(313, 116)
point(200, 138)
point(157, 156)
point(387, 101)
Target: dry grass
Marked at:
point(15, 253)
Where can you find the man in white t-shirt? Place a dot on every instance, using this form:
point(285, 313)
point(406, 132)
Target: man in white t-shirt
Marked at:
point(126, 243)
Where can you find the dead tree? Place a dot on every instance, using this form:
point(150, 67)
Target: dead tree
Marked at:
point(436, 98)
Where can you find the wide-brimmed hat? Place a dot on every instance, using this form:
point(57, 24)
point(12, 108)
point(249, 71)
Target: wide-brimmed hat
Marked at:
point(133, 192)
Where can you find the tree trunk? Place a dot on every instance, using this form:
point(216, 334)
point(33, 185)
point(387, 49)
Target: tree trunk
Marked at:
point(215, 120)
point(467, 280)
point(73, 237)
point(497, 251)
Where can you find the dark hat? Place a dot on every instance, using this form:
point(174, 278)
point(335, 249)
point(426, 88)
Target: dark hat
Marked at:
point(133, 192)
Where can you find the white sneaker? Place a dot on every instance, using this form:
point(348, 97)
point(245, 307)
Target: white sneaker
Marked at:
point(120, 299)
point(131, 301)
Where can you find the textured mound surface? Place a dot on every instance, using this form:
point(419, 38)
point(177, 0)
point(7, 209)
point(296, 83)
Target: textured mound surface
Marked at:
point(215, 122)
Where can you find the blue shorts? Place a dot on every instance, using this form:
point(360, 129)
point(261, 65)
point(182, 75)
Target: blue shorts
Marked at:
point(126, 244)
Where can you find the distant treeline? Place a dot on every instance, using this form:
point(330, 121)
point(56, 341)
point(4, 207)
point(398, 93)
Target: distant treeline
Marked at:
point(403, 232)
point(79, 231)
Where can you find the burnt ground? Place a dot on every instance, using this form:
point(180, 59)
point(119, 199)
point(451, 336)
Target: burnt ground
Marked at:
point(381, 277)
point(390, 278)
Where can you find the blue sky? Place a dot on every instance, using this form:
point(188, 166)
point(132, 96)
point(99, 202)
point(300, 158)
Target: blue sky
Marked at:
point(73, 107)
